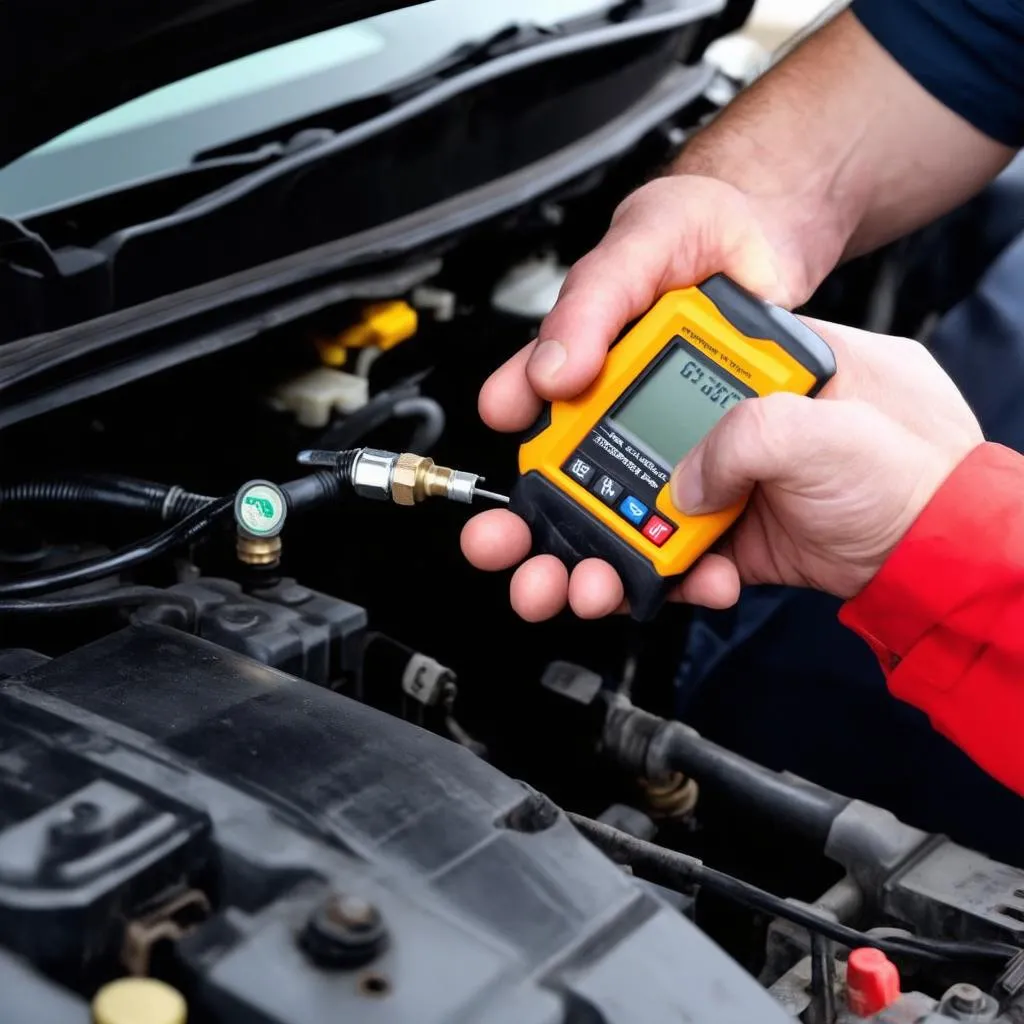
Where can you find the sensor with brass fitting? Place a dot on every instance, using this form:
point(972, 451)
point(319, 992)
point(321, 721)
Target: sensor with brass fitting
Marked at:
point(404, 478)
point(260, 512)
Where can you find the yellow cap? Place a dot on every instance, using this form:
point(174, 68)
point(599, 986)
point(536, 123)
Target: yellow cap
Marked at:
point(139, 1001)
point(384, 325)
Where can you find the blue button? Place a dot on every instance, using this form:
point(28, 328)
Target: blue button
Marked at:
point(633, 509)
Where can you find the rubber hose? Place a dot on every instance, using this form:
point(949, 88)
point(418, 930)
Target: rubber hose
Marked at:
point(171, 503)
point(805, 807)
point(181, 533)
point(74, 492)
point(302, 493)
point(432, 421)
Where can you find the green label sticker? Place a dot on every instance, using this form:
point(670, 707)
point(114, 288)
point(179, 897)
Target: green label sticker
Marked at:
point(260, 509)
point(264, 506)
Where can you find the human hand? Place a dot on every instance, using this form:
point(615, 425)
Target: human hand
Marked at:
point(840, 479)
point(673, 232)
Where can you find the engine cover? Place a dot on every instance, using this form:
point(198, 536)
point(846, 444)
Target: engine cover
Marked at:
point(151, 765)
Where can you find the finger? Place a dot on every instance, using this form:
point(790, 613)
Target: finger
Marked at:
point(494, 540)
point(610, 286)
point(757, 441)
point(595, 589)
point(539, 588)
point(714, 582)
point(672, 234)
point(507, 401)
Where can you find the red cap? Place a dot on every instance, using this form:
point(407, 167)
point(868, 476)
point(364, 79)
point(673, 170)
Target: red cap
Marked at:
point(872, 982)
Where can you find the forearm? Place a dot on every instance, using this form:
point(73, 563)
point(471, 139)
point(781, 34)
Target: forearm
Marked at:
point(843, 149)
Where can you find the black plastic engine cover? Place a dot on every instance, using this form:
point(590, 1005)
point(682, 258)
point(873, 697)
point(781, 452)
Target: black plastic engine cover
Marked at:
point(151, 760)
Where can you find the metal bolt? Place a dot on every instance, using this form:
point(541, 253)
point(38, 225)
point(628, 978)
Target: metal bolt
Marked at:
point(966, 998)
point(351, 912)
point(343, 932)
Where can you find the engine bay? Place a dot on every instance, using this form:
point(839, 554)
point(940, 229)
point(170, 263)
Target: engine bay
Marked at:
point(331, 775)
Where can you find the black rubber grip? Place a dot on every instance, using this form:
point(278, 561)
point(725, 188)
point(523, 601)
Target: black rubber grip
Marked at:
point(759, 319)
point(563, 528)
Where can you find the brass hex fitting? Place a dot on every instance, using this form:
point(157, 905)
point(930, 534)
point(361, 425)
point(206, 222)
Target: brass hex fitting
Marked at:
point(416, 477)
point(262, 551)
point(671, 797)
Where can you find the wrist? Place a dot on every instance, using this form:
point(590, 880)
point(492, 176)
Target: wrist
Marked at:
point(935, 567)
point(807, 226)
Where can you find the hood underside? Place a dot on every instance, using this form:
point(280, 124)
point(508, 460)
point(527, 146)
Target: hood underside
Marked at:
point(62, 63)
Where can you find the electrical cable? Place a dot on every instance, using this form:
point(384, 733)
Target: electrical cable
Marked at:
point(678, 871)
point(120, 597)
point(188, 529)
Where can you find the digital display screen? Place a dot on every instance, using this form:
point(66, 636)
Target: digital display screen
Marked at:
point(677, 403)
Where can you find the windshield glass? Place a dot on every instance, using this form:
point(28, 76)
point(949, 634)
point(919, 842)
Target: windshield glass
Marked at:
point(163, 130)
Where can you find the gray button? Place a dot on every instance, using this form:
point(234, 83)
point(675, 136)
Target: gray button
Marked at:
point(608, 489)
point(580, 469)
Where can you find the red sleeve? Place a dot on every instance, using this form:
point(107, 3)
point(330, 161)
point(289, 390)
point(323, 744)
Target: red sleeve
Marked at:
point(945, 614)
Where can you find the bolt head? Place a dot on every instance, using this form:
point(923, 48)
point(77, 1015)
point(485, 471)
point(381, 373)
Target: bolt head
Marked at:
point(343, 932)
point(966, 998)
point(351, 912)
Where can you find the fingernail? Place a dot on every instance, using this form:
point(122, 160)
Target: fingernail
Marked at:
point(688, 488)
point(547, 359)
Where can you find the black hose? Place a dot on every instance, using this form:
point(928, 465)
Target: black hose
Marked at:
point(807, 808)
point(301, 494)
point(120, 597)
point(401, 401)
point(431, 425)
point(678, 871)
point(169, 502)
point(654, 746)
point(183, 532)
point(316, 488)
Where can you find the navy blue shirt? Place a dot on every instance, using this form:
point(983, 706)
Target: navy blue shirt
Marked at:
point(969, 54)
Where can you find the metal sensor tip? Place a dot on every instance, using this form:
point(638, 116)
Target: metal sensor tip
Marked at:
point(501, 499)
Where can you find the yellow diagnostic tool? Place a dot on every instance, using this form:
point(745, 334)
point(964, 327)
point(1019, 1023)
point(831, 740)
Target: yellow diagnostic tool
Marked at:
point(594, 470)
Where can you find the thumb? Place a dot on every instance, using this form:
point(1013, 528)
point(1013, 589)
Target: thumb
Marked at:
point(761, 440)
point(673, 233)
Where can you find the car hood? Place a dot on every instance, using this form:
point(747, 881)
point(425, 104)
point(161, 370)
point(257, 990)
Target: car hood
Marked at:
point(62, 62)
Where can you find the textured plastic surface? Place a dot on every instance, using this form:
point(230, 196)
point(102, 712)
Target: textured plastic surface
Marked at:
point(277, 792)
point(287, 626)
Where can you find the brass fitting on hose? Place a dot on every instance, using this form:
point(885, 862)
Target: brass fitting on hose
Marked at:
point(404, 478)
point(416, 477)
point(673, 797)
point(258, 551)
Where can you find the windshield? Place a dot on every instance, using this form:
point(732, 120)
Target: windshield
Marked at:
point(163, 130)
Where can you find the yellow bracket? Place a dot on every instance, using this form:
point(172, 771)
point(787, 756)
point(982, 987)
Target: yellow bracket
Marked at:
point(383, 326)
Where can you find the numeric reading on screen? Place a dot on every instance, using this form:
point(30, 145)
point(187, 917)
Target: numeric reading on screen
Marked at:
point(712, 387)
point(676, 404)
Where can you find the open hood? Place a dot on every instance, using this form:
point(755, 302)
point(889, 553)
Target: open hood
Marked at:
point(63, 62)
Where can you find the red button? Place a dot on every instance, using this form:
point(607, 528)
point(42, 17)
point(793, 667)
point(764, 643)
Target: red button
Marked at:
point(657, 531)
point(872, 982)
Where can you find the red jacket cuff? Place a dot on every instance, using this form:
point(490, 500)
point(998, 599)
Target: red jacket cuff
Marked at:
point(955, 550)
